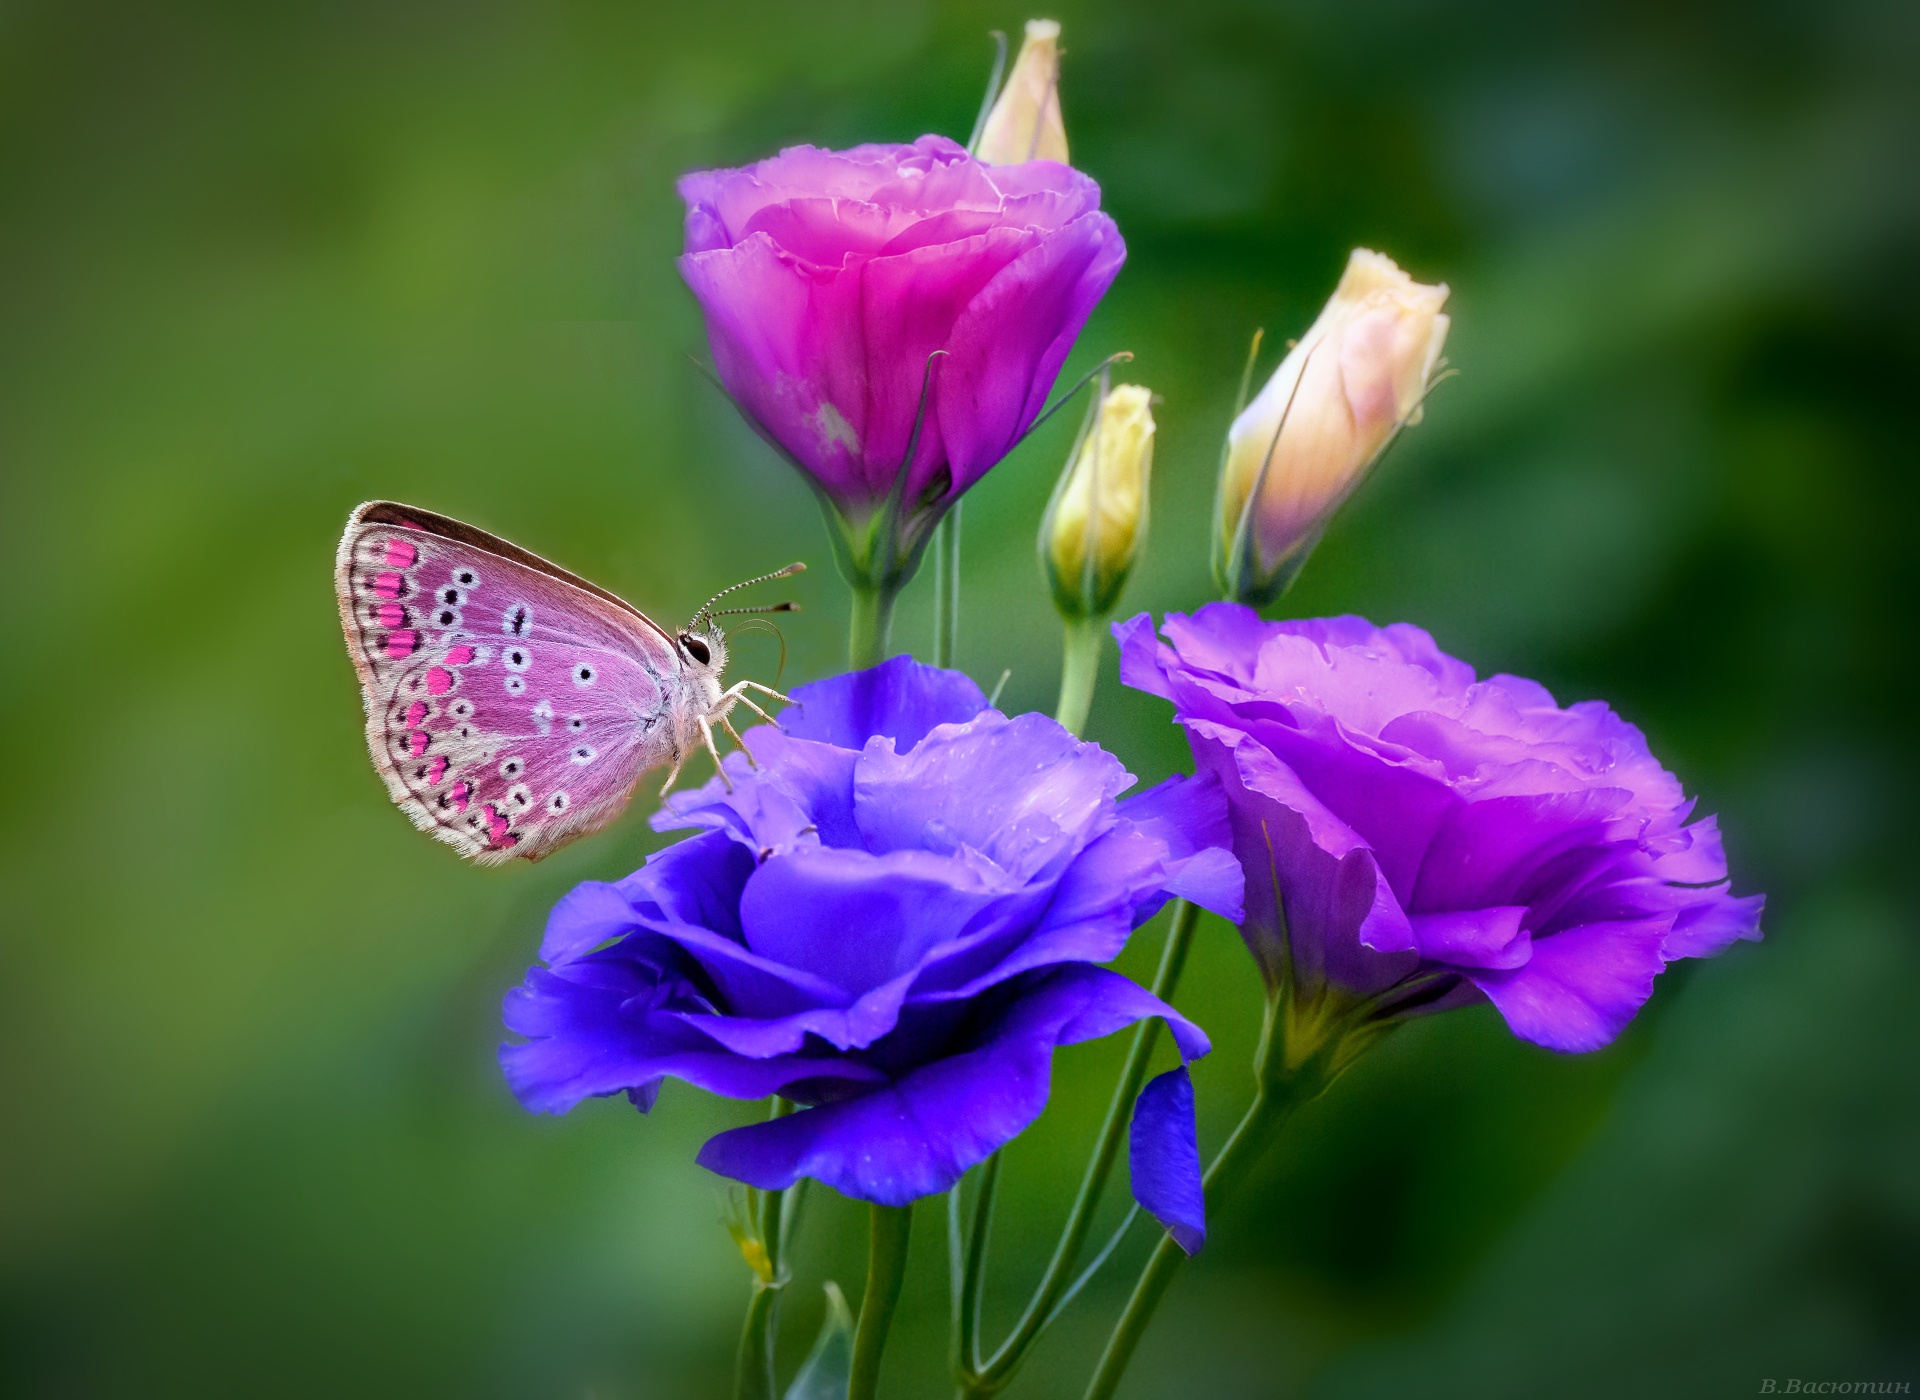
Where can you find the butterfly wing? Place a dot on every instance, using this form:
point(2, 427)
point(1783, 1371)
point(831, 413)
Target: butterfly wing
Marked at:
point(511, 705)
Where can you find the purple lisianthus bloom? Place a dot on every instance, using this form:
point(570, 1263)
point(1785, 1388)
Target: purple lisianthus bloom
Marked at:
point(892, 922)
point(829, 278)
point(1414, 839)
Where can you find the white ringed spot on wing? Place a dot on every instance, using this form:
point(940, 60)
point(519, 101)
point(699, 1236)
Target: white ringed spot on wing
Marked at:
point(559, 802)
point(584, 674)
point(516, 684)
point(516, 621)
point(516, 658)
point(584, 753)
point(512, 767)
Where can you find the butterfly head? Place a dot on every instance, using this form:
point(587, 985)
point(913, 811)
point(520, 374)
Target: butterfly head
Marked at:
point(703, 645)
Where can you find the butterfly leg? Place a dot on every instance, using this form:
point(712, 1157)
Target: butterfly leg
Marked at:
point(738, 698)
point(765, 690)
point(740, 743)
point(674, 776)
point(706, 733)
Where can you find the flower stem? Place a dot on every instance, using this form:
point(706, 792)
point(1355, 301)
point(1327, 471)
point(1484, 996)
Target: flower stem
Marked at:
point(973, 1275)
point(1281, 1090)
point(946, 587)
point(886, 1270)
point(997, 1373)
point(872, 620)
point(753, 1374)
point(753, 1364)
point(1079, 670)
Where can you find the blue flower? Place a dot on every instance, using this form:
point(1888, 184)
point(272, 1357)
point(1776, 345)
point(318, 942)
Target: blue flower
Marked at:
point(891, 922)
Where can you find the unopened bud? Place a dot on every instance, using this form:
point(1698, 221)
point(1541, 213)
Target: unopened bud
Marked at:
point(1097, 521)
point(1306, 441)
point(1025, 121)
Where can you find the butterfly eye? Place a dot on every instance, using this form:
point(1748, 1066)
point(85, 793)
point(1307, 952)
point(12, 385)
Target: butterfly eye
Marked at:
point(695, 648)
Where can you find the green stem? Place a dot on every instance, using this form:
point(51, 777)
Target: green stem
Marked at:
point(997, 1373)
point(1281, 1091)
point(753, 1373)
point(973, 1274)
point(886, 1270)
point(946, 587)
point(872, 620)
point(753, 1364)
point(1079, 670)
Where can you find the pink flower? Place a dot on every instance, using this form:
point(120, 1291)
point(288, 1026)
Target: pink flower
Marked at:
point(830, 278)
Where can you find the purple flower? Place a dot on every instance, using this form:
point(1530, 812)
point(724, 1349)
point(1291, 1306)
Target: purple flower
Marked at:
point(1414, 839)
point(892, 921)
point(829, 278)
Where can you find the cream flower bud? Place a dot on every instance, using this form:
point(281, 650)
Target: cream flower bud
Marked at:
point(1355, 378)
point(1097, 521)
point(1025, 122)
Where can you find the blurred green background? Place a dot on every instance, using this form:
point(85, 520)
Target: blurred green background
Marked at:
point(261, 262)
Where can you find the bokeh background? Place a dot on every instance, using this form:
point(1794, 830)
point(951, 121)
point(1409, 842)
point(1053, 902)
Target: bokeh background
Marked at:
point(261, 262)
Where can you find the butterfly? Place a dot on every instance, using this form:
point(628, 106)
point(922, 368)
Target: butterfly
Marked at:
point(513, 706)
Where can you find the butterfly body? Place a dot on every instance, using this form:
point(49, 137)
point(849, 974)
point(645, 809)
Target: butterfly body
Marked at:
point(513, 706)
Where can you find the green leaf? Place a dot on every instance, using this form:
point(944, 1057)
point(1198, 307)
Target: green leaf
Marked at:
point(828, 1367)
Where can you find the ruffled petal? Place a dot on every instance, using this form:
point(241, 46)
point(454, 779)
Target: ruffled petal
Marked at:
point(1164, 1159)
point(900, 699)
point(918, 1135)
point(1581, 986)
point(598, 1029)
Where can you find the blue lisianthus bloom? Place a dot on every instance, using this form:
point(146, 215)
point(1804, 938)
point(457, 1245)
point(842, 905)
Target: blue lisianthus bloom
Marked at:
point(891, 922)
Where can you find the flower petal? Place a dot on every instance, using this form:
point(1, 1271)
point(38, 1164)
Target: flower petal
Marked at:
point(1164, 1159)
point(1581, 986)
point(918, 1135)
point(900, 699)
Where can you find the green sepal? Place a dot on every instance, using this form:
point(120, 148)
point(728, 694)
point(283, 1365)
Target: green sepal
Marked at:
point(828, 1369)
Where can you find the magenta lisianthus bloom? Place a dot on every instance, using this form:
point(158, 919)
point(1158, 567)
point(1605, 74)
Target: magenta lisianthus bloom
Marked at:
point(829, 279)
point(1415, 839)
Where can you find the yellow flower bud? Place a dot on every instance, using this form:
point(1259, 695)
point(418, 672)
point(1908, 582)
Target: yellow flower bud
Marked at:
point(1097, 521)
point(1331, 408)
point(1025, 122)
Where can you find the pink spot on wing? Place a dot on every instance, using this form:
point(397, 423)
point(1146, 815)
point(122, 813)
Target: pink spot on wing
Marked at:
point(400, 645)
point(458, 797)
point(417, 742)
point(496, 826)
point(392, 615)
point(390, 585)
point(460, 656)
point(439, 681)
point(400, 554)
point(416, 712)
point(437, 769)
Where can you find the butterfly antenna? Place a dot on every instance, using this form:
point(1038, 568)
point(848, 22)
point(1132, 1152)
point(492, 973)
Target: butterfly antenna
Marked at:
point(706, 609)
point(759, 622)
